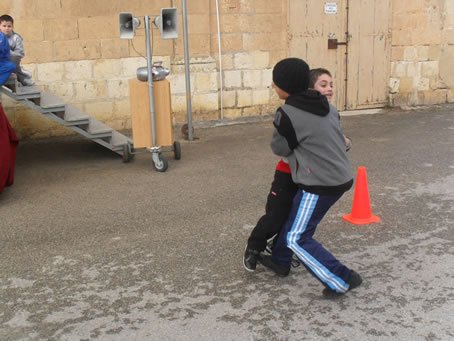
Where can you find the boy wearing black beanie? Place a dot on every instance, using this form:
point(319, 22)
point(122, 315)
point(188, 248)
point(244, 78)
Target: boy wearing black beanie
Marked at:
point(307, 133)
point(283, 189)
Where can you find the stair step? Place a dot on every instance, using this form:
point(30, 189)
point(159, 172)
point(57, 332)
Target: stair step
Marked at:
point(50, 102)
point(98, 129)
point(27, 92)
point(11, 83)
point(74, 116)
point(66, 114)
point(118, 139)
point(11, 79)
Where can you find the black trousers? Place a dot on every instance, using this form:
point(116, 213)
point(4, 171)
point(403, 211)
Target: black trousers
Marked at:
point(277, 209)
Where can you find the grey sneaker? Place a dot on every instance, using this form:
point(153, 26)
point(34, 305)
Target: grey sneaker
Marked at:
point(27, 82)
point(355, 281)
point(250, 259)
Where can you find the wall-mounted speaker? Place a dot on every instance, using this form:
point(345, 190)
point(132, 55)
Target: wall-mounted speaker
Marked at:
point(128, 24)
point(167, 23)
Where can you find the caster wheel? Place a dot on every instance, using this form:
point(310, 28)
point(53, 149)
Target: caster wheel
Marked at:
point(177, 150)
point(127, 153)
point(161, 165)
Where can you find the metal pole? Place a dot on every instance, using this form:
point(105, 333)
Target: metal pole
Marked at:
point(221, 82)
point(150, 79)
point(186, 69)
point(347, 38)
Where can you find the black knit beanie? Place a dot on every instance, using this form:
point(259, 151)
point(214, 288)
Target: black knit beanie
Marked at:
point(291, 75)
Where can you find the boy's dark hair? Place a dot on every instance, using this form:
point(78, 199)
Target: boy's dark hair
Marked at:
point(315, 73)
point(6, 17)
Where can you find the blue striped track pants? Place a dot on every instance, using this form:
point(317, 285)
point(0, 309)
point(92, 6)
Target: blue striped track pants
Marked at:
point(307, 211)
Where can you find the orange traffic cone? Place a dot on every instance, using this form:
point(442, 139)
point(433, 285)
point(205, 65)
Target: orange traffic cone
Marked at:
point(361, 212)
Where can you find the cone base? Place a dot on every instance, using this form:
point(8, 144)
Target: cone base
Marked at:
point(359, 221)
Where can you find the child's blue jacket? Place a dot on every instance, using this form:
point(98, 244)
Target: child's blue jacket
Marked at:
point(4, 47)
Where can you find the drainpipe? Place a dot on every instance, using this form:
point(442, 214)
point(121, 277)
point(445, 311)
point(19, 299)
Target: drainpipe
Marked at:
point(220, 60)
point(186, 70)
point(347, 38)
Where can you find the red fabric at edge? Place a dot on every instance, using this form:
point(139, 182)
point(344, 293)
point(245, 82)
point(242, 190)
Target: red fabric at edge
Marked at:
point(283, 167)
point(8, 145)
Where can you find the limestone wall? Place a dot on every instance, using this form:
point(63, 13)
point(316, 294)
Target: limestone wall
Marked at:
point(74, 50)
point(422, 52)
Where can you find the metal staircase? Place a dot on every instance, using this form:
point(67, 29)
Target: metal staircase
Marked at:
point(66, 114)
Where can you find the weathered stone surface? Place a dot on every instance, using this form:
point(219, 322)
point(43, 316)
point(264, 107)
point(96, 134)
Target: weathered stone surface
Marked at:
point(73, 49)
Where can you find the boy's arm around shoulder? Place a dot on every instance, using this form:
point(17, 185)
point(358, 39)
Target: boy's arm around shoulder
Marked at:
point(348, 140)
point(284, 137)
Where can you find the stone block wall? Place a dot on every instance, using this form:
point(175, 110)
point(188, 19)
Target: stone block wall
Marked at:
point(74, 50)
point(422, 52)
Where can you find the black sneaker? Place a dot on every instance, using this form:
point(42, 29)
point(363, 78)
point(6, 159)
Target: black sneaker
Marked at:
point(355, 281)
point(269, 246)
point(250, 259)
point(269, 249)
point(280, 270)
point(295, 261)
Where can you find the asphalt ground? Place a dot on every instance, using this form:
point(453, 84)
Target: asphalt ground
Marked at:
point(92, 248)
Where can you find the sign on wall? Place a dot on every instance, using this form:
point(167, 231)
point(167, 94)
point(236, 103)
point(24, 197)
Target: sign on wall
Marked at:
point(330, 8)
